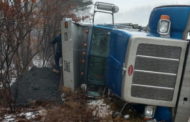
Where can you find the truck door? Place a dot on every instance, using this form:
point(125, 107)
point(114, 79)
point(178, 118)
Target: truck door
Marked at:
point(97, 56)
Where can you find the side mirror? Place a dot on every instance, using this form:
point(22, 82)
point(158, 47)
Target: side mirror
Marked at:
point(106, 7)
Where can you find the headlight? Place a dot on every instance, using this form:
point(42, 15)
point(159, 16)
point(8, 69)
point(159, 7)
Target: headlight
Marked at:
point(164, 25)
point(149, 112)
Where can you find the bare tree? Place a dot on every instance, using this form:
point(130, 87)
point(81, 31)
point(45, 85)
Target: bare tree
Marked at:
point(53, 12)
point(26, 27)
point(16, 24)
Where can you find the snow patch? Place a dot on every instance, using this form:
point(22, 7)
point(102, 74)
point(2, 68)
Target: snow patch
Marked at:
point(101, 108)
point(9, 118)
point(29, 115)
point(26, 115)
point(13, 80)
point(37, 61)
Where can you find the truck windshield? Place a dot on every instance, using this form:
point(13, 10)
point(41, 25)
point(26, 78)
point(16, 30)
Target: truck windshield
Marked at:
point(98, 55)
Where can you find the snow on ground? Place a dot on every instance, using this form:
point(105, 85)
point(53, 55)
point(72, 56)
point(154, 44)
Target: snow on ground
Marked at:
point(12, 118)
point(29, 115)
point(26, 115)
point(101, 108)
point(37, 61)
point(13, 80)
point(9, 118)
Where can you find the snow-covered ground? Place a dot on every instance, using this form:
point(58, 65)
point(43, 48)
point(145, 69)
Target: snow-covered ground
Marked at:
point(37, 61)
point(9, 118)
point(26, 115)
point(101, 109)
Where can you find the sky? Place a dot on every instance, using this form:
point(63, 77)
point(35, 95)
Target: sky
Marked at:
point(135, 11)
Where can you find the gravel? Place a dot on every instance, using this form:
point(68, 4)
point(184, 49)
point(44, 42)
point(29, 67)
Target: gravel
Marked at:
point(38, 84)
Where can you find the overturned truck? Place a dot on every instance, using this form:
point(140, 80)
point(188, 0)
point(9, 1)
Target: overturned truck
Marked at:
point(150, 68)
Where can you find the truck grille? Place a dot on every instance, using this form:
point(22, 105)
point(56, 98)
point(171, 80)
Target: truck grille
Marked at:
point(155, 73)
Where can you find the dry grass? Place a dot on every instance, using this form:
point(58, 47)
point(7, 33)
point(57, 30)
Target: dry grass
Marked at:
point(74, 109)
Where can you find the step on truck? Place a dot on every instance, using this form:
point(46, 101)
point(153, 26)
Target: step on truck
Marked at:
point(141, 66)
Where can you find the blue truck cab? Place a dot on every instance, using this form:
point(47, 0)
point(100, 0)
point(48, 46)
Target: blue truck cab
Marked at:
point(146, 68)
point(151, 72)
point(119, 40)
point(150, 68)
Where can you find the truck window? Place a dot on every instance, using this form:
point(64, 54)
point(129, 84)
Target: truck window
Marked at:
point(99, 44)
point(98, 55)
